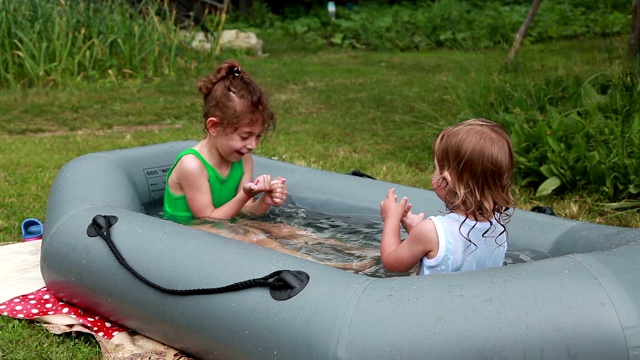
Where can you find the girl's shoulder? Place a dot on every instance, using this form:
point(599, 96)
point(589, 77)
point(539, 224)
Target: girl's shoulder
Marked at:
point(426, 227)
point(190, 163)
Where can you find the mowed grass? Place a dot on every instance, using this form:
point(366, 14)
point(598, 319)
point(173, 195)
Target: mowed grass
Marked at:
point(336, 110)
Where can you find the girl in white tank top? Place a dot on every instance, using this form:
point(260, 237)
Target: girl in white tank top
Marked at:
point(474, 164)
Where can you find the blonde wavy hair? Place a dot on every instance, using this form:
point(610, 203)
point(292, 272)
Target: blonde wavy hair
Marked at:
point(478, 155)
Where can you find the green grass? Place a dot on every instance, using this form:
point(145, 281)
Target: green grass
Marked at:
point(336, 110)
point(26, 340)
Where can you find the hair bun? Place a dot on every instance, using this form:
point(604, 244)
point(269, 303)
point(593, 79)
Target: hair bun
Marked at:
point(206, 85)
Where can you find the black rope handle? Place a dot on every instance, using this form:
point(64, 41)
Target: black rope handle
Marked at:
point(284, 284)
point(356, 172)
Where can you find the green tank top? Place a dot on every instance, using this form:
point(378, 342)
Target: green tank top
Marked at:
point(222, 189)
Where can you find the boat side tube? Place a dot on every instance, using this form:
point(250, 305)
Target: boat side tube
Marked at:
point(578, 304)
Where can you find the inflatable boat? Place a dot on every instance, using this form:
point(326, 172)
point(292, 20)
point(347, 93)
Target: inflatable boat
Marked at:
point(103, 252)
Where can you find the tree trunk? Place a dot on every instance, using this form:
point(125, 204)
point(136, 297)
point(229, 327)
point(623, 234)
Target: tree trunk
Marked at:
point(634, 38)
point(523, 31)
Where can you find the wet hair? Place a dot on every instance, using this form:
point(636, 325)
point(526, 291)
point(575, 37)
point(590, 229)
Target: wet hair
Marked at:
point(478, 155)
point(232, 97)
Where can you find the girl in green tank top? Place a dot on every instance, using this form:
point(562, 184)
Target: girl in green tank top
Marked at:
point(214, 179)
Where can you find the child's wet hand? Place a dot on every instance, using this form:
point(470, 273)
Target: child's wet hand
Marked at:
point(277, 193)
point(390, 208)
point(261, 184)
point(414, 218)
point(407, 210)
point(410, 220)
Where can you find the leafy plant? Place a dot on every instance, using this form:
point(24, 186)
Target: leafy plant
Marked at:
point(575, 134)
point(420, 25)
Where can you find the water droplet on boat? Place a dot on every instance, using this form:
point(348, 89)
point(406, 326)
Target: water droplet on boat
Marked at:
point(566, 271)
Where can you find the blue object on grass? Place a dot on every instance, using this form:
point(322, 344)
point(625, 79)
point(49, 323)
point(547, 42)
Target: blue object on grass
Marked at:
point(31, 229)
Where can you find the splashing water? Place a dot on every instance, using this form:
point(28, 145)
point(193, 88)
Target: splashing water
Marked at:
point(333, 239)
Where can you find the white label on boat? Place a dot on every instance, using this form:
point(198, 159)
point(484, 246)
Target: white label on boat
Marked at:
point(156, 180)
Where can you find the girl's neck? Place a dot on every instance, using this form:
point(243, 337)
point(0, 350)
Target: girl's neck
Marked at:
point(474, 217)
point(213, 157)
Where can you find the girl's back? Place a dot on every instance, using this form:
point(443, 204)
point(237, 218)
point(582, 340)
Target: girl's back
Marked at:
point(465, 244)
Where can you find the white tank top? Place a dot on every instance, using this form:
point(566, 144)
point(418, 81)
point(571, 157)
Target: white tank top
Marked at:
point(455, 253)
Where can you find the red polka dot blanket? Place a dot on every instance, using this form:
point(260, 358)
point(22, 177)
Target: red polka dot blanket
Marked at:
point(42, 303)
point(20, 274)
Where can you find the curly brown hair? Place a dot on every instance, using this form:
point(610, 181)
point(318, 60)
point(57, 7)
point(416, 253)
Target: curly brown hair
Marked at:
point(231, 96)
point(478, 155)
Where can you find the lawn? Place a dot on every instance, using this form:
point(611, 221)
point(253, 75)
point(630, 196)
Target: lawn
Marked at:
point(336, 110)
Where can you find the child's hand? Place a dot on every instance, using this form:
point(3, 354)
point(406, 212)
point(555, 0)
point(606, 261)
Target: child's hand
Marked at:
point(261, 184)
point(410, 220)
point(390, 209)
point(277, 194)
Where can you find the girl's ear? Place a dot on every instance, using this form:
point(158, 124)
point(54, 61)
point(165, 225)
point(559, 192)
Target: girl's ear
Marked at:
point(212, 126)
point(447, 176)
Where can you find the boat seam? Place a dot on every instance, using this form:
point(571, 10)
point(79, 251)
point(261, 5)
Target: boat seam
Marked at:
point(341, 352)
point(624, 334)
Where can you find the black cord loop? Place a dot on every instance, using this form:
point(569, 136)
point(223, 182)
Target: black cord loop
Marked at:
point(284, 284)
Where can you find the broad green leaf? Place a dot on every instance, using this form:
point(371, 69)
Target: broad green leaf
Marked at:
point(554, 144)
point(548, 186)
point(547, 170)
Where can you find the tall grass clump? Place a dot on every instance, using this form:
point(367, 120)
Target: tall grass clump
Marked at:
point(573, 133)
point(47, 42)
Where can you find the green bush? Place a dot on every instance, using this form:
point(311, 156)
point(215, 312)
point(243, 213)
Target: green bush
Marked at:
point(571, 133)
point(419, 25)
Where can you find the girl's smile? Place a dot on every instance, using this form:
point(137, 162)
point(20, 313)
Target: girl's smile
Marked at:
point(234, 145)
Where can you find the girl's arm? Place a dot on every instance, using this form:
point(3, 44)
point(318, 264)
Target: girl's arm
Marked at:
point(422, 241)
point(194, 182)
point(274, 193)
point(398, 255)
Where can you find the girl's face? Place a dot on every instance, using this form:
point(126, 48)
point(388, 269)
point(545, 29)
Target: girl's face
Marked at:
point(233, 145)
point(438, 182)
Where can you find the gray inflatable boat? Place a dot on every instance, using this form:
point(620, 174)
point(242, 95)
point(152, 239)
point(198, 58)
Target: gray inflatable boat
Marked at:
point(583, 302)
